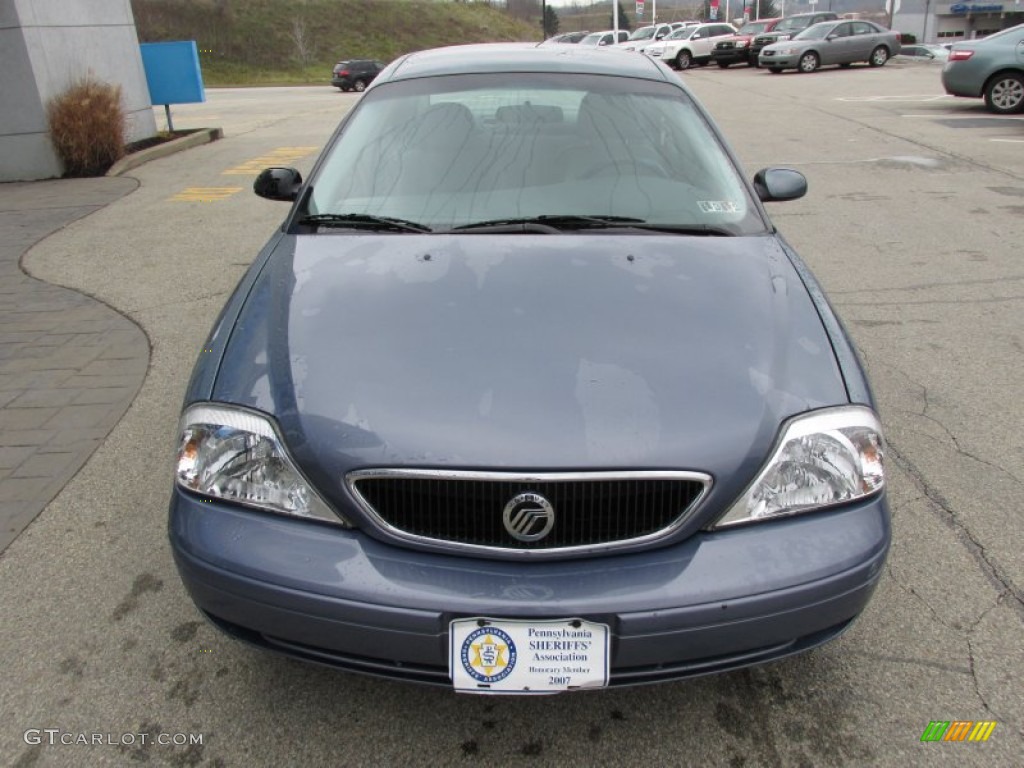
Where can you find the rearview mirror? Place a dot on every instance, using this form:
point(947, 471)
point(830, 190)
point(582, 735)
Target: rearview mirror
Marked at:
point(775, 185)
point(278, 184)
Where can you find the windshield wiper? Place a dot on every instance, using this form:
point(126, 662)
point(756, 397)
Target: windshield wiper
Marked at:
point(554, 223)
point(363, 221)
point(705, 230)
point(549, 223)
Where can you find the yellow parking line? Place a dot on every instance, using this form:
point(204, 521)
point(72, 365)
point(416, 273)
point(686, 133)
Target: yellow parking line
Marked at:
point(279, 156)
point(204, 194)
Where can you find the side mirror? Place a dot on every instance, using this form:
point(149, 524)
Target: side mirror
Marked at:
point(775, 185)
point(830, 38)
point(278, 184)
point(659, 36)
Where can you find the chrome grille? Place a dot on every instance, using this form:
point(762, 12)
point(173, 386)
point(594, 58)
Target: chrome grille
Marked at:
point(592, 510)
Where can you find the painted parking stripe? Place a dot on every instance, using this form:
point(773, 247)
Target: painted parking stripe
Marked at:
point(279, 156)
point(944, 116)
point(1009, 141)
point(925, 98)
point(204, 194)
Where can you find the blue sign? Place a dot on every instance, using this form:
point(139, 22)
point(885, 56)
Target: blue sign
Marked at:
point(172, 72)
point(960, 8)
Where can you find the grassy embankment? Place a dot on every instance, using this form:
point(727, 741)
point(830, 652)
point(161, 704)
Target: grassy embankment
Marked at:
point(287, 42)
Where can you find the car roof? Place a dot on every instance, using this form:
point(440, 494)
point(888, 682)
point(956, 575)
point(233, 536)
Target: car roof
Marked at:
point(525, 57)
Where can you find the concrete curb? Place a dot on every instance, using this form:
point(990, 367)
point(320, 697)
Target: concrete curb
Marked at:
point(134, 160)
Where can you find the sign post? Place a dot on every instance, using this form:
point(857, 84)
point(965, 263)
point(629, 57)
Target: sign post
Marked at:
point(173, 74)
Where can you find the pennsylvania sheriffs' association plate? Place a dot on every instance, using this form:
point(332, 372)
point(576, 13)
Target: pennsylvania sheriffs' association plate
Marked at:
point(509, 656)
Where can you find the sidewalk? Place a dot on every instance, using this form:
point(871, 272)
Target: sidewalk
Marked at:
point(69, 365)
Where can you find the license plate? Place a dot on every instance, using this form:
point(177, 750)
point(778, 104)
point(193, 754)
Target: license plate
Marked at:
point(509, 656)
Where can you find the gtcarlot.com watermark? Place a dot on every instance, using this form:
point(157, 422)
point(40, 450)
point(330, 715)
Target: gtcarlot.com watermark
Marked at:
point(55, 736)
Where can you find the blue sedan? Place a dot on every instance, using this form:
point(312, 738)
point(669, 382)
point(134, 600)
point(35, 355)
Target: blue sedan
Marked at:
point(527, 394)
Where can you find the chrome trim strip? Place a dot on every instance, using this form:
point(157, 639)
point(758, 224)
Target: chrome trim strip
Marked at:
point(352, 478)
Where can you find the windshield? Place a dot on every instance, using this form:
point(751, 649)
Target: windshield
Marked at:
point(592, 39)
point(753, 28)
point(817, 32)
point(643, 33)
point(792, 24)
point(443, 152)
point(682, 34)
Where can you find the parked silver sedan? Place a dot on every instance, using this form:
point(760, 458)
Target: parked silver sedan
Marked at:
point(992, 68)
point(832, 42)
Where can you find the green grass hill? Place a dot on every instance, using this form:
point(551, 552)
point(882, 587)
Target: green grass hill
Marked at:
point(249, 42)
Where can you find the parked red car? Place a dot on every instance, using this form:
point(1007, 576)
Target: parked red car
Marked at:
point(736, 49)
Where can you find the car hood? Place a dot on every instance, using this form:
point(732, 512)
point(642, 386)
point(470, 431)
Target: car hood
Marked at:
point(529, 351)
point(790, 44)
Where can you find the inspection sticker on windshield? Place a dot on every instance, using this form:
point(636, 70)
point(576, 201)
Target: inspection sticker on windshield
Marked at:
point(718, 206)
point(508, 656)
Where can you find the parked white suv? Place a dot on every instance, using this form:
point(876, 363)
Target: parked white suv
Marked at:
point(603, 38)
point(690, 45)
point(643, 37)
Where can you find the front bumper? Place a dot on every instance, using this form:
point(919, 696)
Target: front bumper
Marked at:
point(755, 51)
point(779, 61)
point(732, 56)
point(716, 601)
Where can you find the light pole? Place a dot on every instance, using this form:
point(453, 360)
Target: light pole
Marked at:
point(892, 8)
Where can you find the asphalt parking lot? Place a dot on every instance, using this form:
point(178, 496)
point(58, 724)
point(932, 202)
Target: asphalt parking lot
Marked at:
point(914, 224)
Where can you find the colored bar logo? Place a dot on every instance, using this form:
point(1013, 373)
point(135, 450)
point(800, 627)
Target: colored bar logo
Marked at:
point(958, 730)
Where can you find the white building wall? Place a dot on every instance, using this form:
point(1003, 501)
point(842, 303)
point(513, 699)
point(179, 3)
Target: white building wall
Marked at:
point(45, 45)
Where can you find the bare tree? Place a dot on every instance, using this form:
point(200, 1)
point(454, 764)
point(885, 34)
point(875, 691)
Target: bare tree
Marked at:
point(305, 46)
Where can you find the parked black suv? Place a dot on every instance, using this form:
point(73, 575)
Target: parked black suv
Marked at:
point(355, 74)
point(786, 28)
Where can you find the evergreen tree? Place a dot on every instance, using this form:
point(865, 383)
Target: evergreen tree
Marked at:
point(550, 22)
point(623, 19)
point(764, 9)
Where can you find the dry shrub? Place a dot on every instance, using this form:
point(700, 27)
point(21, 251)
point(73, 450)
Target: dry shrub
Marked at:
point(88, 127)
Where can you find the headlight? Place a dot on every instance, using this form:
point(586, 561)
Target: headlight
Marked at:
point(823, 458)
point(237, 455)
point(785, 51)
point(742, 43)
point(781, 38)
